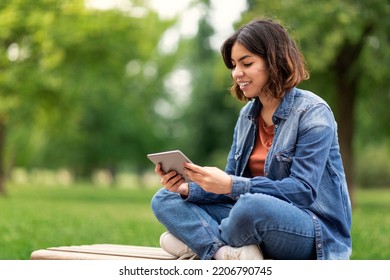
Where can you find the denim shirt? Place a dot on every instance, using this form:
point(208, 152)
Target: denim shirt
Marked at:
point(303, 167)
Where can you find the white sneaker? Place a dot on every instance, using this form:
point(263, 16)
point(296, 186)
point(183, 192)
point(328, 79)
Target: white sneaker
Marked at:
point(172, 245)
point(249, 252)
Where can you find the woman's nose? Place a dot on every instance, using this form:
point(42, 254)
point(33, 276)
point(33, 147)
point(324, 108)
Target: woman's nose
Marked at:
point(237, 73)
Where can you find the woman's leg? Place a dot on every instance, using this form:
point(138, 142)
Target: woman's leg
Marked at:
point(195, 225)
point(282, 230)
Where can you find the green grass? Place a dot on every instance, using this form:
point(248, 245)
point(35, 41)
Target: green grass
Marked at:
point(39, 217)
point(34, 218)
point(371, 225)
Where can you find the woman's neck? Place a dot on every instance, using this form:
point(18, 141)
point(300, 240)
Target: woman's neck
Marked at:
point(268, 108)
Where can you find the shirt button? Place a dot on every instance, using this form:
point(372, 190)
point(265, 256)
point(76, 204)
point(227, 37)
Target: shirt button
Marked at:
point(319, 245)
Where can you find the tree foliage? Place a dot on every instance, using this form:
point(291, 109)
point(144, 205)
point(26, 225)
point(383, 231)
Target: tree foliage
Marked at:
point(212, 111)
point(78, 86)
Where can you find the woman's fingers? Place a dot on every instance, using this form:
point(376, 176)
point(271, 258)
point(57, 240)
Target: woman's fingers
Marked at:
point(170, 180)
point(194, 168)
point(211, 179)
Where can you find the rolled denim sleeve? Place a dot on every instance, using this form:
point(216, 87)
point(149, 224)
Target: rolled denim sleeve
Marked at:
point(199, 195)
point(240, 185)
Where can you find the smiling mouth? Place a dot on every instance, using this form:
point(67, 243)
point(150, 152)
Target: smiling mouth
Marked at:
point(243, 84)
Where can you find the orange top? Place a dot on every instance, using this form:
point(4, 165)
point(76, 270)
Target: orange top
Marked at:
point(263, 143)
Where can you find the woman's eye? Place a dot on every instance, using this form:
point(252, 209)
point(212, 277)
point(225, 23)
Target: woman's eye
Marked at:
point(248, 64)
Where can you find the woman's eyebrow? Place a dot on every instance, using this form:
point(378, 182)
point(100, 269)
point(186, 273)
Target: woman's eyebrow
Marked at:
point(243, 57)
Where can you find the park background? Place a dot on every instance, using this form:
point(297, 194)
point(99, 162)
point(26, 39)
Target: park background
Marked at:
point(87, 90)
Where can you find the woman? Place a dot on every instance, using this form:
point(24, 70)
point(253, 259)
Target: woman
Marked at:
point(283, 194)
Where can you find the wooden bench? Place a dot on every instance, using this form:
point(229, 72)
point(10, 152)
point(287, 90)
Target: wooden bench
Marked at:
point(102, 252)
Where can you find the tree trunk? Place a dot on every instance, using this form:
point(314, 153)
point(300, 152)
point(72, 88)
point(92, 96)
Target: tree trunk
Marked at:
point(346, 94)
point(347, 78)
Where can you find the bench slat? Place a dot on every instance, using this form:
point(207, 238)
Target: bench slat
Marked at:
point(101, 252)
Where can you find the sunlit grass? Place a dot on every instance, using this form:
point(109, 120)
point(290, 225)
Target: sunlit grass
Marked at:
point(35, 218)
point(371, 225)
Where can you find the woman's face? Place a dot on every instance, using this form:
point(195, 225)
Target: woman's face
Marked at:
point(249, 71)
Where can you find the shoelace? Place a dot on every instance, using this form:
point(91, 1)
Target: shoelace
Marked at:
point(188, 256)
point(232, 254)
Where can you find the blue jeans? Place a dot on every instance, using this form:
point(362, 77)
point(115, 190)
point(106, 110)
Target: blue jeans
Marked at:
point(282, 230)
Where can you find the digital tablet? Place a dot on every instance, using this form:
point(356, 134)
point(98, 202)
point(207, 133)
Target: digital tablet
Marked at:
point(171, 160)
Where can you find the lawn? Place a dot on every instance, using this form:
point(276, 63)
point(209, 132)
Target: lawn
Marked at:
point(39, 217)
point(371, 225)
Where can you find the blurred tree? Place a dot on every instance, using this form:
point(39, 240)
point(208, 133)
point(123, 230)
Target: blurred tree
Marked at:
point(346, 45)
point(116, 72)
point(77, 86)
point(22, 89)
point(211, 112)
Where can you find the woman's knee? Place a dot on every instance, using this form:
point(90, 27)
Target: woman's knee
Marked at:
point(250, 212)
point(240, 226)
point(157, 201)
point(162, 201)
point(252, 206)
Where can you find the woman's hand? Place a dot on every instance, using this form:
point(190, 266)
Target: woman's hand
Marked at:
point(172, 181)
point(211, 179)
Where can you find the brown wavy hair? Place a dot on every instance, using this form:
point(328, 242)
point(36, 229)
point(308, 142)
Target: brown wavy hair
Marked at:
point(270, 40)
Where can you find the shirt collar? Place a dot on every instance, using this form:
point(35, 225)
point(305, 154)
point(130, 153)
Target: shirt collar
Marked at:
point(281, 112)
point(286, 104)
